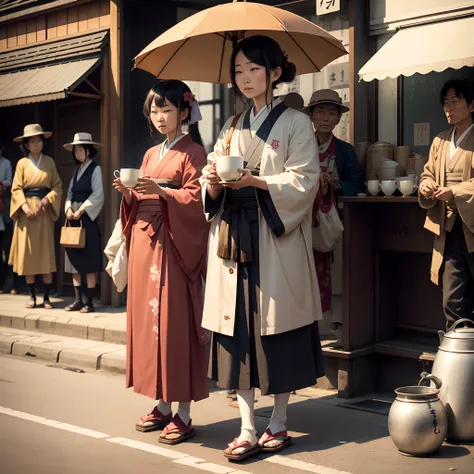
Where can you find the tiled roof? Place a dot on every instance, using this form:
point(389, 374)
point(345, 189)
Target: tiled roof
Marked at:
point(68, 49)
point(50, 71)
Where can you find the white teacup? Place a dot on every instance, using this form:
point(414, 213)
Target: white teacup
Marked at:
point(128, 176)
point(227, 167)
point(388, 186)
point(406, 186)
point(373, 186)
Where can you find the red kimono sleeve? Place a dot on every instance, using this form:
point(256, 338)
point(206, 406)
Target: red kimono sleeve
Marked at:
point(184, 217)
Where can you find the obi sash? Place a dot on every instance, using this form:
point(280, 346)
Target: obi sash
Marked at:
point(235, 240)
point(36, 192)
point(149, 214)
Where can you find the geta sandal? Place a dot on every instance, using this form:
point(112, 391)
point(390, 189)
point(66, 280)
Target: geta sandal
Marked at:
point(245, 454)
point(177, 427)
point(268, 436)
point(153, 421)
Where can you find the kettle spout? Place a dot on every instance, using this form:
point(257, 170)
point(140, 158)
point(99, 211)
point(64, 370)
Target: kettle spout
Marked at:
point(441, 336)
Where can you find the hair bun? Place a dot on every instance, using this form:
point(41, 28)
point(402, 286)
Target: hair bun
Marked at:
point(289, 72)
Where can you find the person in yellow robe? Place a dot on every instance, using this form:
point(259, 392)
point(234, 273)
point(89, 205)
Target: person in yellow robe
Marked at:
point(35, 206)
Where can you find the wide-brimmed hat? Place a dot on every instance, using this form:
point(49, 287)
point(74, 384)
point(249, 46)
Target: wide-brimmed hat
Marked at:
point(32, 130)
point(326, 96)
point(82, 138)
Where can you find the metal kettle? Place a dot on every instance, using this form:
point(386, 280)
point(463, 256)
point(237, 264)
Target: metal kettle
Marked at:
point(454, 365)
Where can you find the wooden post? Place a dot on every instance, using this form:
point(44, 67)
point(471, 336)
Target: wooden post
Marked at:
point(361, 121)
point(106, 165)
point(111, 131)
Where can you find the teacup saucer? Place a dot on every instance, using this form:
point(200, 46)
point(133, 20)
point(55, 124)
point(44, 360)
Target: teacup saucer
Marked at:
point(228, 181)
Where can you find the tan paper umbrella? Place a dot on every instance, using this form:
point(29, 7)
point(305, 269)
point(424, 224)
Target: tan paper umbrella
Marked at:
point(199, 47)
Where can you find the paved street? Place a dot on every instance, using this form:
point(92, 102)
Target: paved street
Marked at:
point(54, 420)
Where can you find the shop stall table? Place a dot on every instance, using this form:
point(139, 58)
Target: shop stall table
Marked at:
point(391, 310)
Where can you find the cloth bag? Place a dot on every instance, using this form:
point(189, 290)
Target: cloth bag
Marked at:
point(73, 237)
point(328, 232)
point(116, 253)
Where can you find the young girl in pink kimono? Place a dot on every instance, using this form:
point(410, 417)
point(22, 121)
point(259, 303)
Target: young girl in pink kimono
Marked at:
point(262, 298)
point(167, 235)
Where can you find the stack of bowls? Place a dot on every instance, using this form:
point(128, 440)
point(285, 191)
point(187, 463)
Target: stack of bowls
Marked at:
point(388, 170)
point(377, 154)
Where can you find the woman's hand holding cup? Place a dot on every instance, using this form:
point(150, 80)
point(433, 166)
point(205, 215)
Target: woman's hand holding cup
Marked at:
point(213, 179)
point(118, 185)
point(211, 175)
point(127, 194)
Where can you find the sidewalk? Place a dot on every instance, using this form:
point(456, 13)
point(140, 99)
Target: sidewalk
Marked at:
point(68, 352)
point(105, 325)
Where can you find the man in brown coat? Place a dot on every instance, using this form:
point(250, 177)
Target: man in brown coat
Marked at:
point(447, 191)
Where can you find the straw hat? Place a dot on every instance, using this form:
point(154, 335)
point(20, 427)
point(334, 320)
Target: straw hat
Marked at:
point(82, 138)
point(32, 130)
point(326, 96)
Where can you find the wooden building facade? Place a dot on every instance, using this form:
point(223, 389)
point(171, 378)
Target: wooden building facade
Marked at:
point(67, 64)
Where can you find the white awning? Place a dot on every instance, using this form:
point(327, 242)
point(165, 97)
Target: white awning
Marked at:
point(422, 49)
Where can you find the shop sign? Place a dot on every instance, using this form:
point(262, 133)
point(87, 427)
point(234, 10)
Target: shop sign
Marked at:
point(323, 7)
point(338, 75)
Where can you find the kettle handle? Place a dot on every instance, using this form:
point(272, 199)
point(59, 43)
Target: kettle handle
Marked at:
point(461, 321)
point(426, 376)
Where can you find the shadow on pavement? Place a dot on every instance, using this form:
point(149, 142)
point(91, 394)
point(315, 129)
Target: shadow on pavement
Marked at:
point(316, 425)
point(452, 452)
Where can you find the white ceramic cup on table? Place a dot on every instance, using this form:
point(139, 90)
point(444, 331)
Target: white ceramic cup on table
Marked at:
point(227, 167)
point(373, 186)
point(128, 176)
point(388, 186)
point(406, 185)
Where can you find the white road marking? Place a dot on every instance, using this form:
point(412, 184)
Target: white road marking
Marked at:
point(149, 448)
point(202, 464)
point(175, 456)
point(302, 465)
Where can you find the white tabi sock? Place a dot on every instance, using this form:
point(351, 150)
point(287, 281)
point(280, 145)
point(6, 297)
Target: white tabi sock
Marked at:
point(246, 399)
point(278, 419)
point(163, 407)
point(184, 410)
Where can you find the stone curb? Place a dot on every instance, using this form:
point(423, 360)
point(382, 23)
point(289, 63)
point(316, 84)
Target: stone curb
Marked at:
point(66, 351)
point(103, 327)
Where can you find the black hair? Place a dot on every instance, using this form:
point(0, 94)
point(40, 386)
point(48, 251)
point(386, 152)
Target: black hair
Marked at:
point(463, 88)
point(24, 145)
point(172, 91)
point(265, 52)
point(87, 146)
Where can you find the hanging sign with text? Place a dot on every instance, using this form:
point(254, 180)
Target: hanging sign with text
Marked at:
point(323, 7)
